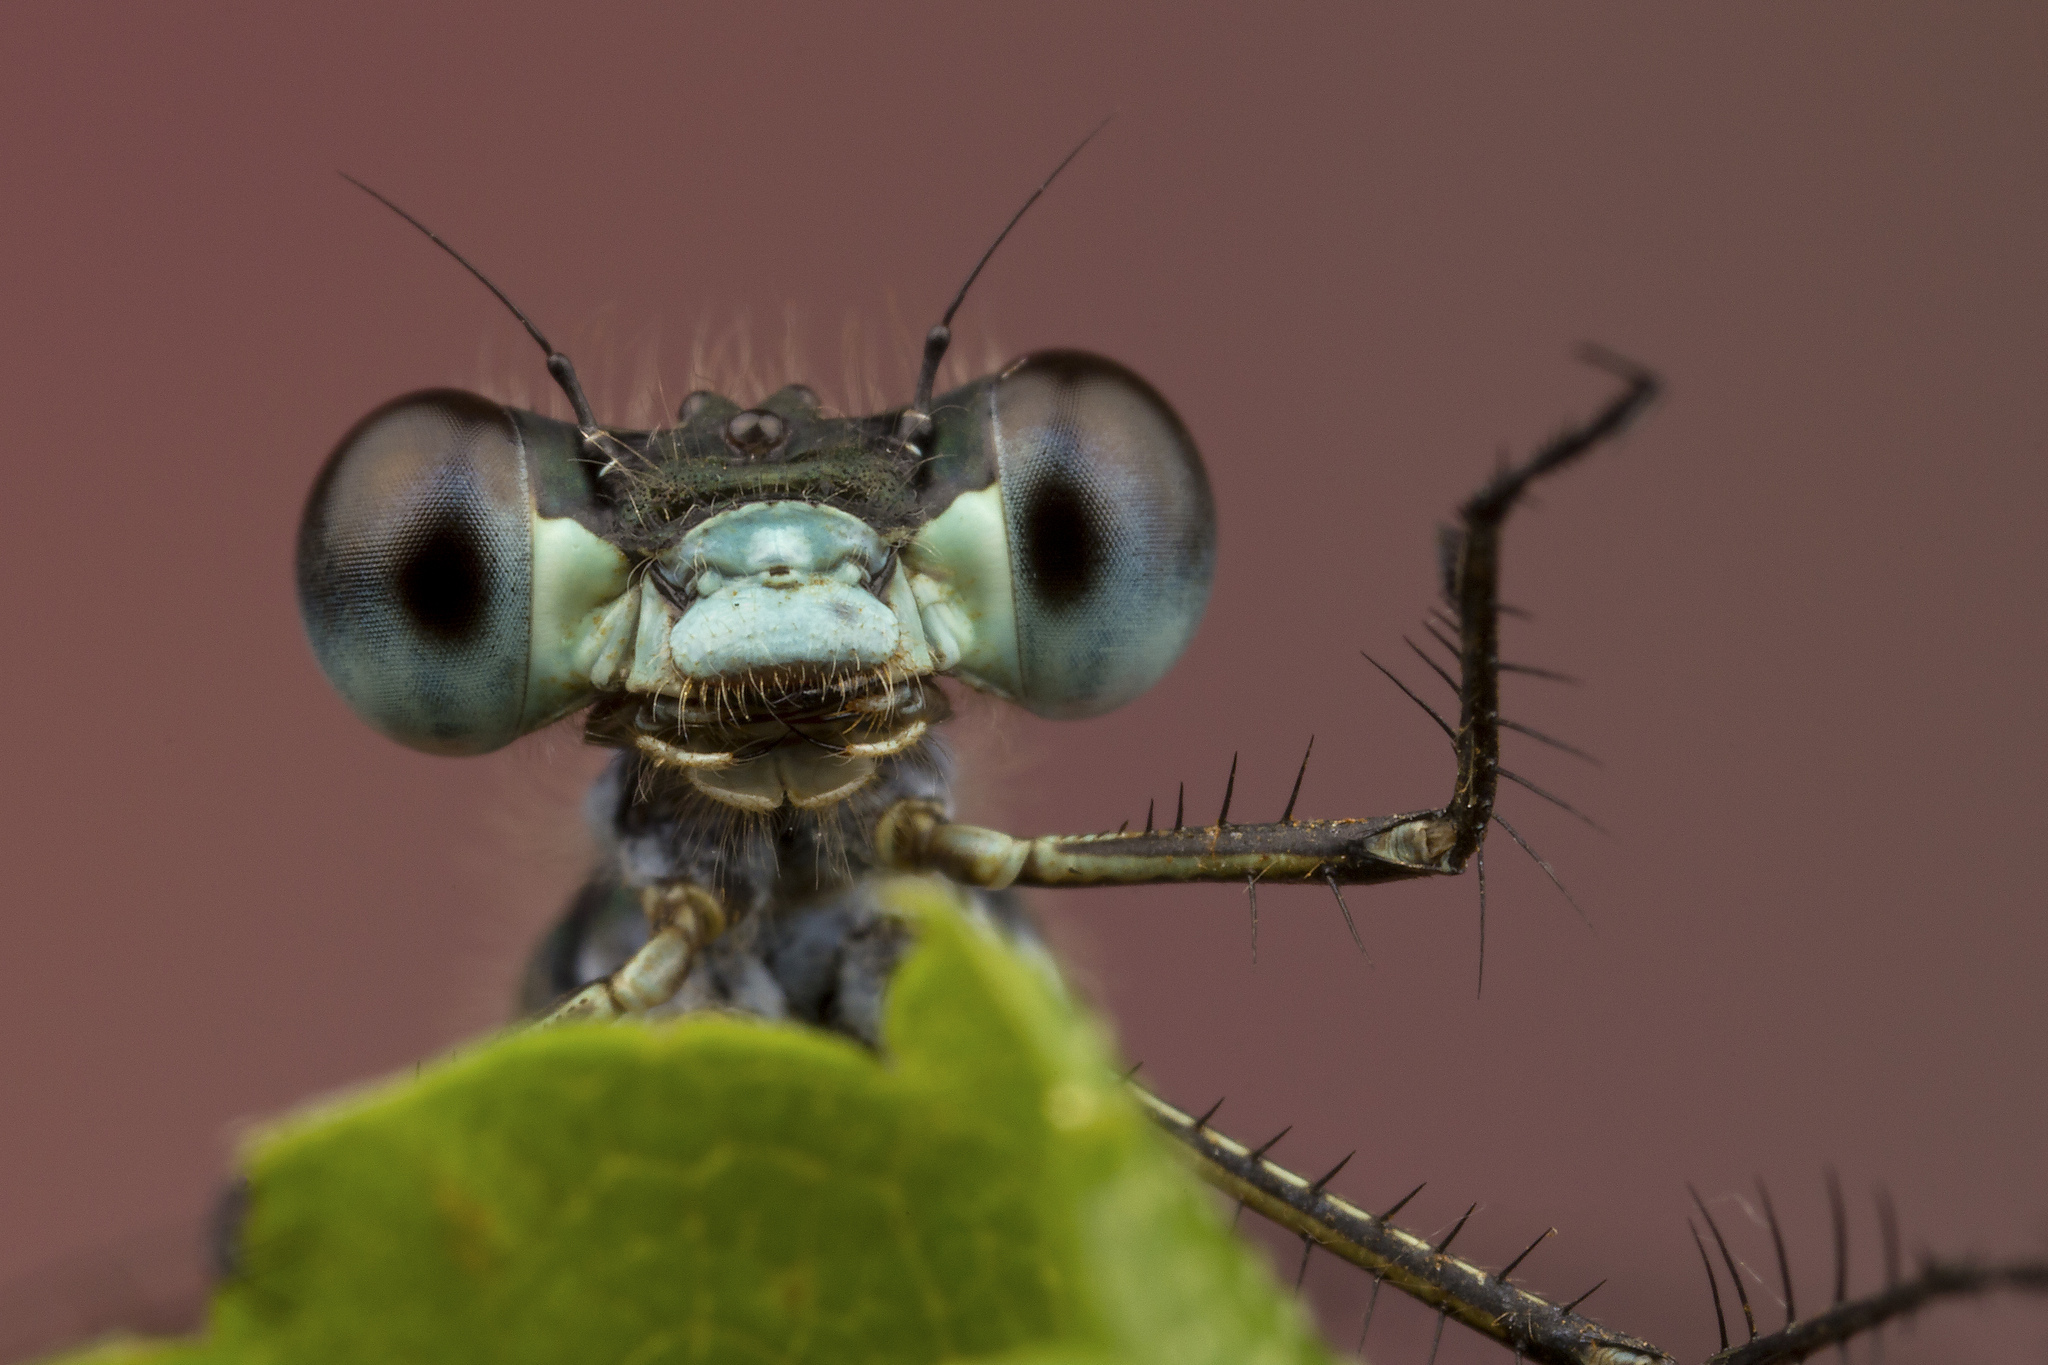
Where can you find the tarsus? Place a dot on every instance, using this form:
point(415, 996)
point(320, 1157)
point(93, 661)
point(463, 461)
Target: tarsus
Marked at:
point(1474, 590)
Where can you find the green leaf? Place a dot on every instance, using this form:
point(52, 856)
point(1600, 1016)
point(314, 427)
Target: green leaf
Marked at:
point(721, 1189)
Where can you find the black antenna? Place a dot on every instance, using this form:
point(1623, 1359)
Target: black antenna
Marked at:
point(940, 337)
point(558, 364)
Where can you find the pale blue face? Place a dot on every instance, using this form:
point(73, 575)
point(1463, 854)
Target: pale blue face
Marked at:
point(786, 585)
point(467, 573)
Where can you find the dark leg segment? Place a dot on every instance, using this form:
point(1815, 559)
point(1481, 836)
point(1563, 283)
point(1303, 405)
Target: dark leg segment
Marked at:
point(917, 836)
point(1533, 1326)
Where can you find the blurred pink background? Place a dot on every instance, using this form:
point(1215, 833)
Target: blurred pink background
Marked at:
point(1356, 248)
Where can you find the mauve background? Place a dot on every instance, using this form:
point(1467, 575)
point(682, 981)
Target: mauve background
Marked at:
point(1355, 246)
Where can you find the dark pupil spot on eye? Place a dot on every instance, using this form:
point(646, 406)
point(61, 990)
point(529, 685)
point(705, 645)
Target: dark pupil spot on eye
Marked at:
point(1060, 542)
point(441, 582)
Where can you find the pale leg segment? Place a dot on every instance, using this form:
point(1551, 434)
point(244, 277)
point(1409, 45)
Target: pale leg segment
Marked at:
point(916, 836)
point(685, 919)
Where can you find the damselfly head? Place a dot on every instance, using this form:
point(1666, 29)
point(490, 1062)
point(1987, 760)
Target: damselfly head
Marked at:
point(758, 596)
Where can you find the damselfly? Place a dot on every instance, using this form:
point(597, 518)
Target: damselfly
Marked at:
point(754, 605)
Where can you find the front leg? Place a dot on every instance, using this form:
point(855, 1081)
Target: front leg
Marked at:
point(915, 836)
point(684, 919)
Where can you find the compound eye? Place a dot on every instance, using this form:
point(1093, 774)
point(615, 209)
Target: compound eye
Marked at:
point(1111, 526)
point(416, 572)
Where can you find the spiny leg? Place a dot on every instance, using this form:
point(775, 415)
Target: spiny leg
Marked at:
point(1846, 1319)
point(1843, 1323)
point(916, 836)
point(1486, 1302)
point(1536, 1328)
point(684, 919)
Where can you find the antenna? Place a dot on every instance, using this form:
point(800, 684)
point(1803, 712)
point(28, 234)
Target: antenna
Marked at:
point(558, 364)
point(940, 337)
